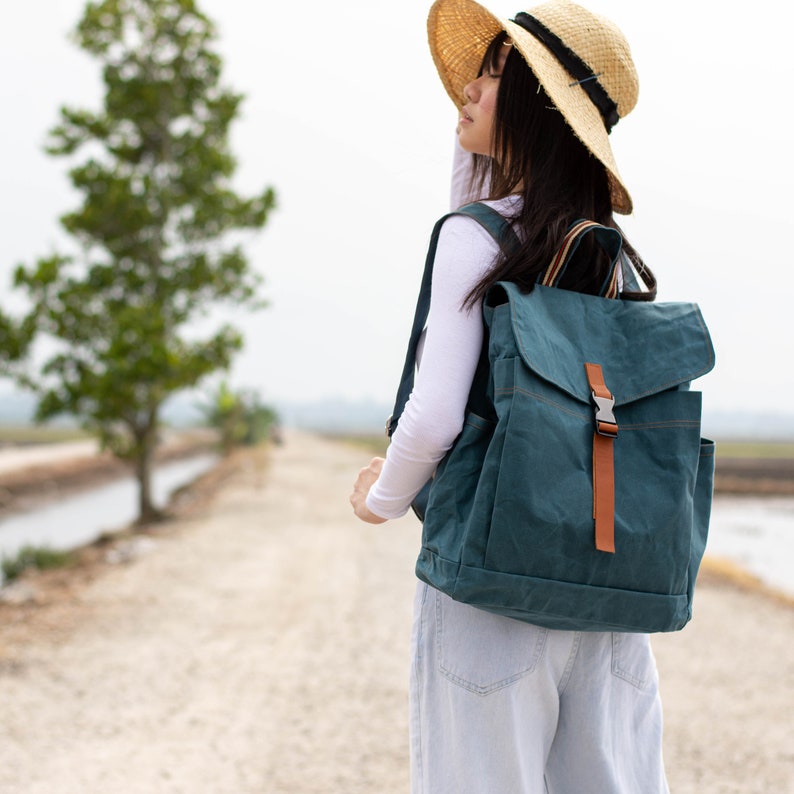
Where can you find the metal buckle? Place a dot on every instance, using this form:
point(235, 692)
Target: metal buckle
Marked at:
point(388, 426)
point(606, 424)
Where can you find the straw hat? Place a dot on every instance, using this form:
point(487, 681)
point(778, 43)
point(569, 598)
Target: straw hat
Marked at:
point(598, 67)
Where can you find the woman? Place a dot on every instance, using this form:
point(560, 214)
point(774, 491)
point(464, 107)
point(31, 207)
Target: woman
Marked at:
point(498, 705)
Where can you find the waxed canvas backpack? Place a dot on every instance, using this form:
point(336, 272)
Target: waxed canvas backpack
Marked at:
point(578, 494)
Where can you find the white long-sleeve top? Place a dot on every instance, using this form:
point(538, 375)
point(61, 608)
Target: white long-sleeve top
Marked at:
point(449, 352)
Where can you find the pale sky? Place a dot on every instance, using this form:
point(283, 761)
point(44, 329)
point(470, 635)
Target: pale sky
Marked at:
point(346, 118)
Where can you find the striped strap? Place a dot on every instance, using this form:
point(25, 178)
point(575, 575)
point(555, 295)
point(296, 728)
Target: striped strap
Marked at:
point(569, 244)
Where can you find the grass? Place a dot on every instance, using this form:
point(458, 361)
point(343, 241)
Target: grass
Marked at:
point(755, 449)
point(731, 572)
point(375, 443)
point(774, 450)
point(33, 434)
point(41, 558)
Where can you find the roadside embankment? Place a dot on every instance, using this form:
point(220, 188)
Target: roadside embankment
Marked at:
point(758, 476)
point(43, 472)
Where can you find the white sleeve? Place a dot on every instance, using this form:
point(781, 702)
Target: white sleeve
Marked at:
point(461, 189)
point(434, 414)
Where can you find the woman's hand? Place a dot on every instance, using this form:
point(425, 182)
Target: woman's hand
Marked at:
point(365, 480)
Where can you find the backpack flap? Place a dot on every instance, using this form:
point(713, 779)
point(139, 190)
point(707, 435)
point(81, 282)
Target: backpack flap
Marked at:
point(643, 348)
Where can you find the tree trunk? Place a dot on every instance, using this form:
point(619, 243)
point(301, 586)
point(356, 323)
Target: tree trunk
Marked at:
point(147, 440)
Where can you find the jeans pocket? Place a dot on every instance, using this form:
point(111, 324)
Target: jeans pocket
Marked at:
point(632, 659)
point(481, 651)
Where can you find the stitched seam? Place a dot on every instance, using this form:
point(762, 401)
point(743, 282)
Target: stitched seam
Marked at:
point(540, 398)
point(617, 670)
point(470, 686)
point(566, 675)
point(671, 423)
point(662, 424)
point(418, 726)
point(478, 423)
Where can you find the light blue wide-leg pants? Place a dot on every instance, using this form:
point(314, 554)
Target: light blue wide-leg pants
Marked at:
point(499, 706)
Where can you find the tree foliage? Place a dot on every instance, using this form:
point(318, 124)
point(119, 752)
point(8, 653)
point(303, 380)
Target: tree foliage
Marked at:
point(15, 339)
point(240, 417)
point(157, 206)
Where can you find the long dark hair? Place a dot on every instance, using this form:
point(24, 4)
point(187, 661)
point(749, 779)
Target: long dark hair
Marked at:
point(538, 156)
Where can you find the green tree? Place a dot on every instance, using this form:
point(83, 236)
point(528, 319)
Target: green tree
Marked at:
point(15, 339)
point(226, 413)
point(240, 417)
point(157, 205)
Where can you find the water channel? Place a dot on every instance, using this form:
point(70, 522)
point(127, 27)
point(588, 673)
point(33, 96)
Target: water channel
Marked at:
point(757, 533)
point(81, 518)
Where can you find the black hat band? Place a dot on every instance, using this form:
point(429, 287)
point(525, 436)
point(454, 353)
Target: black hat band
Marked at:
point(578, 69)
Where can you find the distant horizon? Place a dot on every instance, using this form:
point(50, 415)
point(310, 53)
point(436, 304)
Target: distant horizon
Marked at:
point(367, 416)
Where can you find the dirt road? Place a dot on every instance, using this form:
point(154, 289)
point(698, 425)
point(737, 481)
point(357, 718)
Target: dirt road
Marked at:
point(261, 646)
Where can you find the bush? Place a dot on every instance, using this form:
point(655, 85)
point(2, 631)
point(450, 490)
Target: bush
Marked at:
point(241, 417)
point(39, 557)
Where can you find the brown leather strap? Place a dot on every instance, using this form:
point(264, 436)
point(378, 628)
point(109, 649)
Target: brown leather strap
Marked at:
point(606, 430)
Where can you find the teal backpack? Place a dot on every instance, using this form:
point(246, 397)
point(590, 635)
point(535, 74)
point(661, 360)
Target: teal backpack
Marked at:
point(578, 494)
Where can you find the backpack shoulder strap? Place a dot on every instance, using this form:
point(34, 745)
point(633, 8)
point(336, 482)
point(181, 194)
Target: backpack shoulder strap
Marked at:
point(506, 238)
point(495, 224)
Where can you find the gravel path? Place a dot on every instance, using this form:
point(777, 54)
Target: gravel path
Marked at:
point(261, 646)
